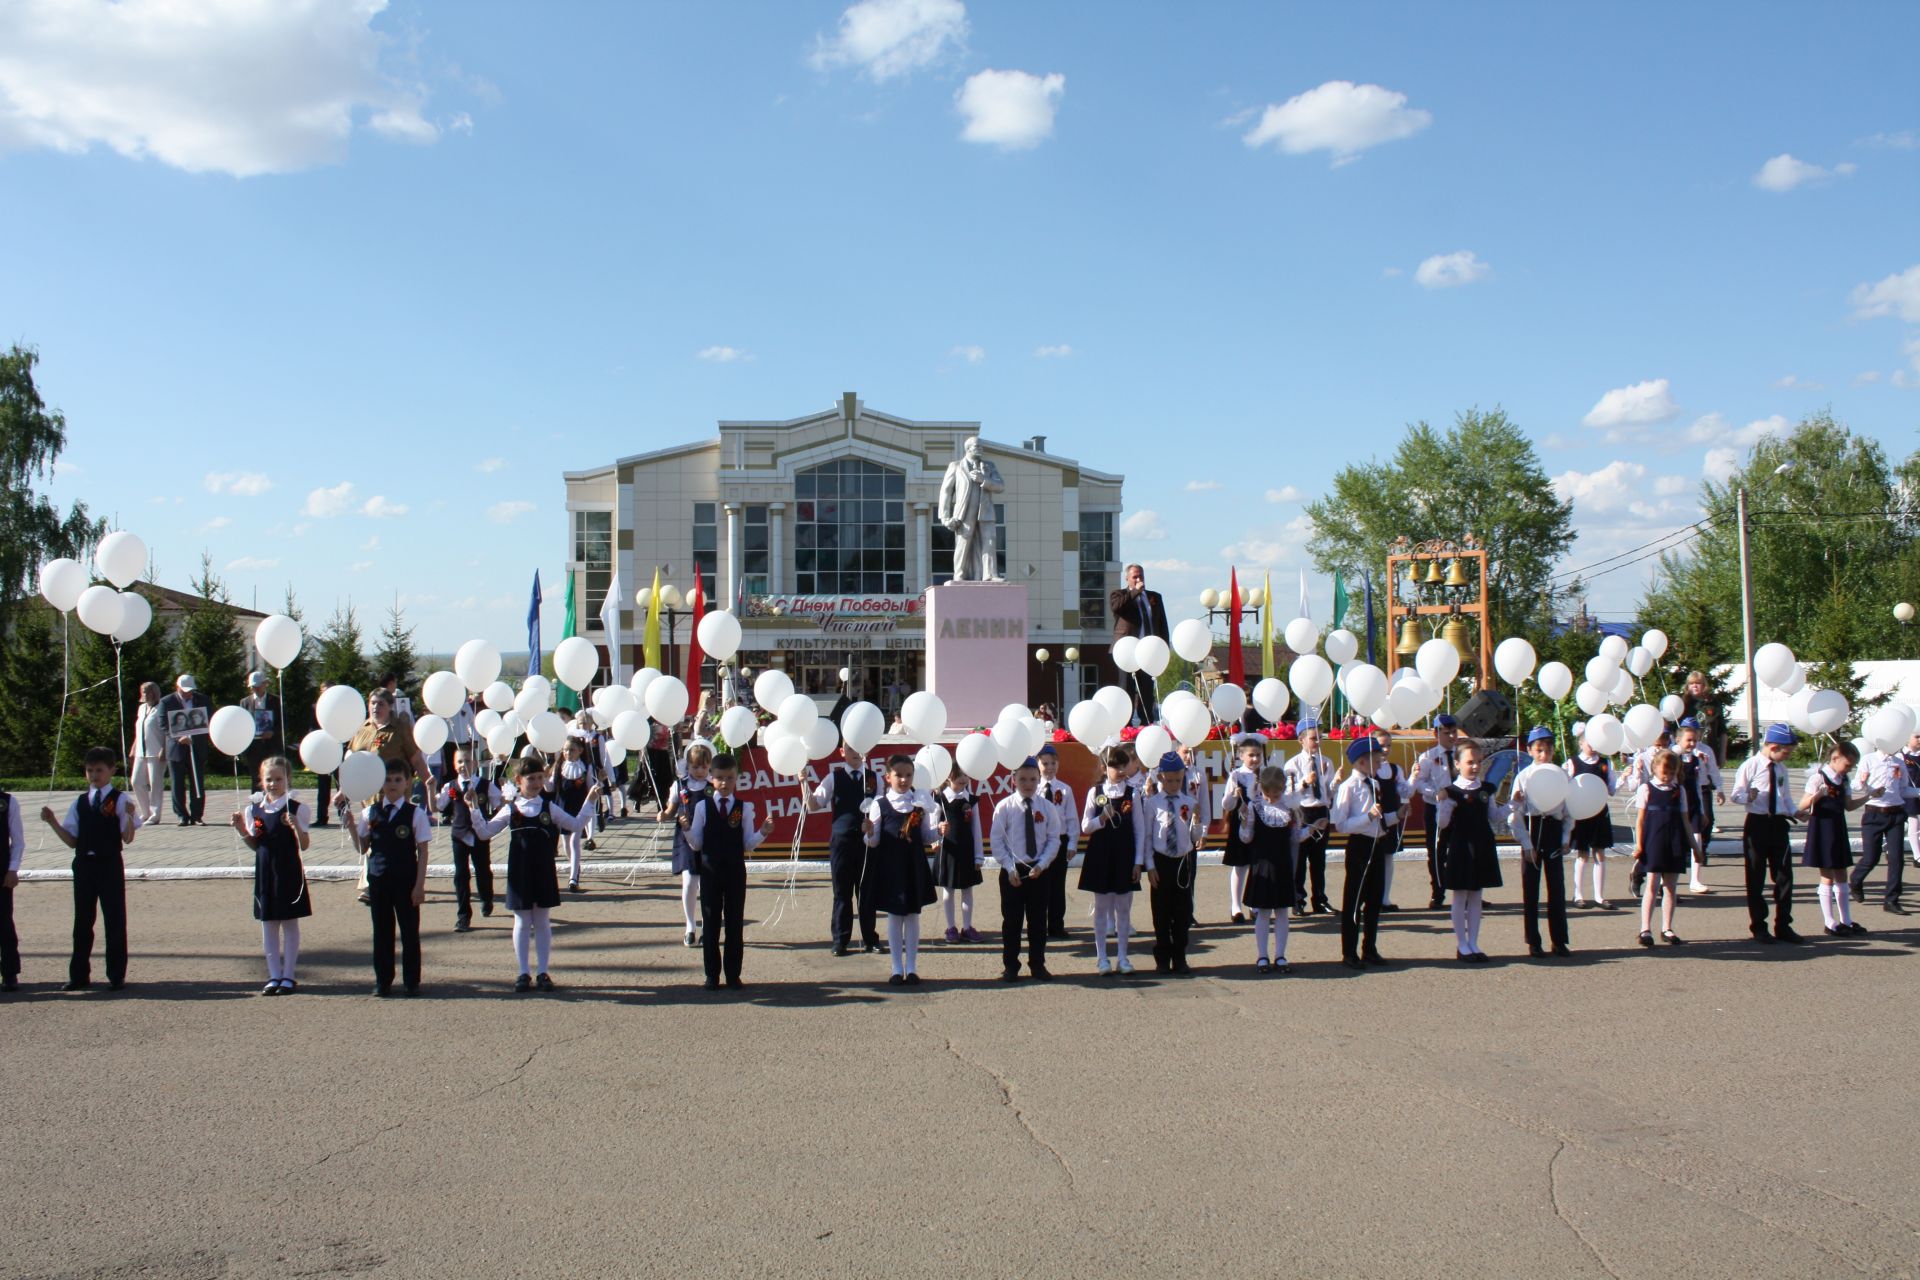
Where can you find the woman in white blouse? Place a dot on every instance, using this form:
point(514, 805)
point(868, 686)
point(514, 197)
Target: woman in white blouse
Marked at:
point(149, 754)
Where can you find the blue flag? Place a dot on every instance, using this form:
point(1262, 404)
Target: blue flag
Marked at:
point(533, 628)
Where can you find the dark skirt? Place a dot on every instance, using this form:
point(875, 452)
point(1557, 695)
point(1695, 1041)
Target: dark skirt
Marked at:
point(1106, 865)
point(279, 882)
point(1270, 880)
point(1595, 833)
point(1665, 848)
point(902, 881)
point(1470, 863)
point(1235, 853)
point(682, 851)
point(532, 880)
point(1827, 844)
point(953, 865)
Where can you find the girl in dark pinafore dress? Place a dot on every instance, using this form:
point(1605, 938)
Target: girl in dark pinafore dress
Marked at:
point(1266, 829)
point(1467, 814)
point(1829, 850)
point(956, 867)
point(274, 826)
point(688, 791)
point(1663, 841)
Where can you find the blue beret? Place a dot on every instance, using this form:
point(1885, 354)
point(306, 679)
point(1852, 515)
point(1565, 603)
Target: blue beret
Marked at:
point(1445, 721)
point(1307, 722)
point(1029, 763)
point(1172, 763)
point(1688, 722)
point(1048, 751)
point(1539, 733)
point(1780, 735)
point(1360, 748)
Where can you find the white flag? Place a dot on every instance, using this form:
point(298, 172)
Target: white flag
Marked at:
point(1306, 609)
point(610, 622)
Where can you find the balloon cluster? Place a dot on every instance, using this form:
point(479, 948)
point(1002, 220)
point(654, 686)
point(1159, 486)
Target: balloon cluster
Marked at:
point(108, 608)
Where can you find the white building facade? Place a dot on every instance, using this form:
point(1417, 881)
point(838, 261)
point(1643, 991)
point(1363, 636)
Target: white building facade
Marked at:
point(822, 533)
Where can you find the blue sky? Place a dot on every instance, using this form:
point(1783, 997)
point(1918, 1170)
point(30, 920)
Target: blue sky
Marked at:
point(438, 253)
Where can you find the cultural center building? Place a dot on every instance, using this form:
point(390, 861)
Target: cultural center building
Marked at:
point(822, 532)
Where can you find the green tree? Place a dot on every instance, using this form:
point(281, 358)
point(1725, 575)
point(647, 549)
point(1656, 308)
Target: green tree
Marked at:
point(339, 658)
point(30, 689)
point(210, 645)
point(396, 655)
point(296, 685)
point(106, 700)
point(32, 529)
point(1480, 478)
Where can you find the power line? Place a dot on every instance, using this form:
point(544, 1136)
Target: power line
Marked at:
point(1599, 567)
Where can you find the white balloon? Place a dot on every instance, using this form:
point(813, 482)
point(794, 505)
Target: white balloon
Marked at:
point(787, 755)
point(1606, 734)
point(515, 723)
point(1672, 707)
point(1153, 655)
point(121, 558)
point(1639, 661)
point(821, 739)
point(1192, 640)
point(1590, 698)
point(1407, 701)
point(719, 635)
point(1302, 636)
point(1178, 697)
point(1438, 662)
point(936, 760)
point(501, 739)
point(1012, 711)
point(1020, 731)
point(540, 685)
point(547, 731)
point(484, 722)
point(1366, 688)
point(1827, 710)
point(977, 755)
point(861, 726)
point(530, 702)
point(231, 730)
point(1342, 645)
point(737, 725)
point(1118, 706)
point(923, 716)
point(136, 615)
point(362, 774)
point(771, 688)
point(630, 730)
point(1655, 643)
point(477, 663)
point(797, 712)
point(1579, 728)
point(442, 693)
point(320, 753)
point(341, 711)
point(1383, 718)
point(637, 683)
point(1270, 699)
point(1600, 672)
point(1010, 747)
point(1622, 691)
point(277, 640)
point(429, 733)
point(61, 582)
point(1889, 728)
point(576, 661)
point(1546, 786)
point(1643, 724)
point(609, 700)
point(1613, 649)
point(1125, 653)
point(1190, 724)
point(1088, 723)
point(100, 609)
point(1555, 680)
point(1228, 702)
point(667, 700)
point(498, 696)
point(1311, 678)
point(1513, 659)
point(1773, 663)
point(1586, 796)
point(1797, 709)
point(1152, 743)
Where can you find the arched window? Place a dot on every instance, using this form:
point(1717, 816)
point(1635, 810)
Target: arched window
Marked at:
point(850, 529)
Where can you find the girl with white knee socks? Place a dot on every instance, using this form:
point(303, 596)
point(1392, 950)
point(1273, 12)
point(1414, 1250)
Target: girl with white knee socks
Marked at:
point(956, 868)
point(274, 826)
point(571, 780)
point(1592, 838)
point(1266, 828)
point(682, 798)
point(1243, 787)
point(533, 883)
point(902, 828)
point(1115, 858)
point(1468, 814)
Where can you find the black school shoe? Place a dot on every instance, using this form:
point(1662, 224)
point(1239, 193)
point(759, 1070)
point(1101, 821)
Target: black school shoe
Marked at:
point(544, 983)
point(76, 986)
point(1562, 949)
point(913, 979)
point(712, 984)
point(1761, 934)
point(9, 984)
point(1353, 963)
point(1040, 972)
point(463, 924)
point(735, 983)
point(1785, 933)
point(1646, 939)
point(897, 980)
point(1009, 975)
point(1374, 960)
point(1535, 950)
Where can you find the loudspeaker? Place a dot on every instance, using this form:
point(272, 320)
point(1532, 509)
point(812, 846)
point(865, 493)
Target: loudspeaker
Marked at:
point(1487, 714)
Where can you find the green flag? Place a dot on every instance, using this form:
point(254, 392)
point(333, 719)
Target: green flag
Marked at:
point(1339, 620)
point(563, 695)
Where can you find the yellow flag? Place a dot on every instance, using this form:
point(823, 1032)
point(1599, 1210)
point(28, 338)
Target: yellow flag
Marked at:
point(650, 641)
point(1266, 629)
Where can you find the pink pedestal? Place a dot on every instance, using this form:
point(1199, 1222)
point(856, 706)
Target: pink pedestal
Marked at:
point(977, 649)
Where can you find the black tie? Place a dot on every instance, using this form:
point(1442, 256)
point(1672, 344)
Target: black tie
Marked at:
point(1033, 845)
point(1146, 615)
point(1449, 762)
point(1773, 789)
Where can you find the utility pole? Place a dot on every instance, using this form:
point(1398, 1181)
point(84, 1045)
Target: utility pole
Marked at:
point(1746, 617)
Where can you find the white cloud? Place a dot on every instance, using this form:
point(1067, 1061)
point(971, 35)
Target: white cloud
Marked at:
point(1445, 270)
point(380, 509)
point(1175, 565)
point(1904, 140)
point(1269, 549)
point(371, 544)
point(1286, 493)
point(887, 38)
point(1720, 464)
point(1391, 273)
point(507, 512)
point(1611, 488)
point(1202, 486)
point(972, 355)
point(1784, 173)
point(218, 522)
point(1896, 295)
point(1867, 376)
point(1716, 430)
point(1144, 525)
point(323, 503)
point(1011, 110)
point(1794, 382)
point(360, 566)
point(1670, 486)
point(1641, 403)
point(251, 564)
point(217, 86)
point(489, 465)
point(721, 355)
point(1338, 117)
point(243, 484)
point(1059, 352)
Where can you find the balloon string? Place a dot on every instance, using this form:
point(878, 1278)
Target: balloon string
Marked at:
point(119, 699)
point(60, 725)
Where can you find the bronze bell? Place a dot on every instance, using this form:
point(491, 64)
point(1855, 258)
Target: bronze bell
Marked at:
point(1433, 573)
point(1457, 634)
point(1457, 574)
point(1409, 637)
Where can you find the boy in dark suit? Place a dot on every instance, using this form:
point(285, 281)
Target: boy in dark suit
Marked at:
point(97, 828)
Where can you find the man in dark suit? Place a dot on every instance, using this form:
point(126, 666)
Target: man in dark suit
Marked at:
point(187, 753)
point(1139, 612)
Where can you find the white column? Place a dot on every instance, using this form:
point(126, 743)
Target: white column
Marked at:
point(776, 547)
point(922, 548)
point(734, 550)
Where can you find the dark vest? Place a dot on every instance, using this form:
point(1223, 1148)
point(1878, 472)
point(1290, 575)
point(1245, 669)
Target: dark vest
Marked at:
point(1598, 768)
point(537, 836)
point(6, 831)
point(99, 832)
point(849, 793)
point(722, 844)
point(1472, 819)
point(391, 849)
point(460, 810)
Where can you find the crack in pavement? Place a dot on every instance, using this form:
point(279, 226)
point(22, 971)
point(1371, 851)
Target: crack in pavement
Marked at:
point(356, 1145)
point(1007, 1100)
point(515, 1076)
point(1553, 1196)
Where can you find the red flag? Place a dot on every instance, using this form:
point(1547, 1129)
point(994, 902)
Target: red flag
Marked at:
point(1236, 665)
point(698, 602)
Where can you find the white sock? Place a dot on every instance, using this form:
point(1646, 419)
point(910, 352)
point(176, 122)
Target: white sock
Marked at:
point(1843, 901)
point(1262, 924)
point(1474, 898)
point(1102, 918)
point(912, 932)
point(574, 843)
point(1122, 924)
point(1386, 887)
point(1599, 879)
point(289, 949)
point(966, 908)
point(270, 943)
point(946, 896)
point(1280, 926)
point(689, 898)
point(1826, 904)
point(542, 936)
point(1696, 882)
point(1459, 908)
point(522, 939)
point(1579, 876)
point(1237, 889)
point(896, 939)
